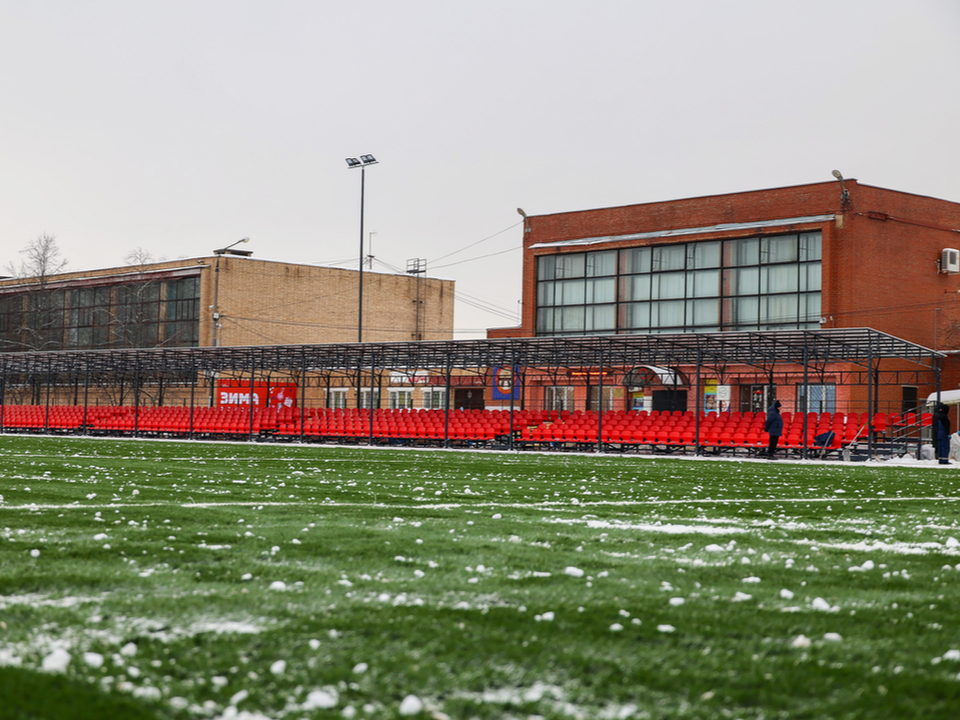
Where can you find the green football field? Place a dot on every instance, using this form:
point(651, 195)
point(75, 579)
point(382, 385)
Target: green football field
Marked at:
point(202, 580)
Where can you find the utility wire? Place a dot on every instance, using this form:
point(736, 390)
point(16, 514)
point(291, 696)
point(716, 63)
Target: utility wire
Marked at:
point(467, 247)
point(479, 257)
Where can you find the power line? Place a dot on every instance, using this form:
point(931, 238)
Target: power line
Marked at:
point(479, 257)
point(467, 247)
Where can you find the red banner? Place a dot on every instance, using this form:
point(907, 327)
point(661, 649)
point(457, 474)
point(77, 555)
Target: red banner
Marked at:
point(237, 392)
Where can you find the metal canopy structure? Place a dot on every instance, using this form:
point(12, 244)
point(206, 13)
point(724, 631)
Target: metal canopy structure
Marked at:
point(364, 365)
point(858, 346)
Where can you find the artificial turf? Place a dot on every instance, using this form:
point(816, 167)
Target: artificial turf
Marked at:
point(214, 580)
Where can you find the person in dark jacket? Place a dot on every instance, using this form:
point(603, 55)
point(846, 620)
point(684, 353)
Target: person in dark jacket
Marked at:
point(941, 425)
point(773, 427)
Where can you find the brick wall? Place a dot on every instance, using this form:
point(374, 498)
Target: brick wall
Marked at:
point(877, 272)
point(265, 302)
point(278, 303)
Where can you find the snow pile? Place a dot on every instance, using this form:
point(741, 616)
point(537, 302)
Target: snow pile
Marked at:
point(818, 603)
point(56, 661)
point(411, 705)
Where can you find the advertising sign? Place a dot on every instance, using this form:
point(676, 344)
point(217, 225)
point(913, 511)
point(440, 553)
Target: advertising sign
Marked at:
point(710, 401)
point(504, 383)
point(237, 392)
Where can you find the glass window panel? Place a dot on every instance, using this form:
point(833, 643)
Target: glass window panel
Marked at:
point(810, 276)
point(745, 311)
point(545, 321)
point(546, 267)
point(637, 315)
point(636, 287)
point(810, 307)
point(601, 291)
point(745, 251)
point(570, 292)
point(544, 293)
point(779, 249)
point(811, 246)
point(779, 309)
point(703, 312)
point(817, 398)
point(636, 260)
point(668, 285)
point(669, 257)
point(569, 319)
point(600, 264)
point(667, 314)
point(435, 398)
point(745, 281)
point(703, 283)
point(559, 397)
point(703, 255)
point(601, 317)
point(570, 266)
point(401, 399)
point(779, 279)
point(150, 335)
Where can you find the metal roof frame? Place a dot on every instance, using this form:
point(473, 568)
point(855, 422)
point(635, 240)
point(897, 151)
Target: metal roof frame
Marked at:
point(860, 346)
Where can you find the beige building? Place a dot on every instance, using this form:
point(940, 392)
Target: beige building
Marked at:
point(223, 300)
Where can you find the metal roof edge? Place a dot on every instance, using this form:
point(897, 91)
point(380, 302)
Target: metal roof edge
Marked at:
point(722, 227)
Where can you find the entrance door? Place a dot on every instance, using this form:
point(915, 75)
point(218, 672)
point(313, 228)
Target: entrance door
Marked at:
point(756, 398)
point(909, 400)
point(670, 400)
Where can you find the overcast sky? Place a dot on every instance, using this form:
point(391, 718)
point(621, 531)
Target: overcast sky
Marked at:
point(181, 127)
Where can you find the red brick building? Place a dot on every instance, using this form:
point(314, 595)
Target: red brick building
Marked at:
point(827, 255)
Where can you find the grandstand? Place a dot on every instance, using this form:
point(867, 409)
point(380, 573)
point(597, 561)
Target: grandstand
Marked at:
point(165, 394)
point(616, 430)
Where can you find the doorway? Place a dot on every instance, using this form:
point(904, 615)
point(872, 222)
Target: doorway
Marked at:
point(468, 399)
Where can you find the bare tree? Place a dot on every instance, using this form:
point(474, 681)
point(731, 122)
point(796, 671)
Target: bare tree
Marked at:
point(41, 259)
point(38, 321)
point(139, 257)
point(35, 315)
point(138, 304)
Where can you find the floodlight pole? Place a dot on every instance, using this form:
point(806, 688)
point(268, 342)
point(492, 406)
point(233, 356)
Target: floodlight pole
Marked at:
point(363, 180)
point(362, 163)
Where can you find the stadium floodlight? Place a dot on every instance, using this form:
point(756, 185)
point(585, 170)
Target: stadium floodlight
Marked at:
point(844, 194)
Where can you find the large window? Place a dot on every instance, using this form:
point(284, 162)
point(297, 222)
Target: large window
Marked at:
point(558, 397)
point(434, 398)
point(577, 293)
point(401, 399)
point(135, 314)
point(741, 284)
point(817, 398)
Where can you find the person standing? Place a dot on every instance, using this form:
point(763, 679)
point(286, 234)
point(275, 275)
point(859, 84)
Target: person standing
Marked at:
point(941, 424)
point(773, 427)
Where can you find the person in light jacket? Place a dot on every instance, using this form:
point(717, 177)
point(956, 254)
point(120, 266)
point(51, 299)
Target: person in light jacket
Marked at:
point(773, 427)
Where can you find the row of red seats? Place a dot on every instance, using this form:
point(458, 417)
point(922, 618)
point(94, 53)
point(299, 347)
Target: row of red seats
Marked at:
point(532, 426)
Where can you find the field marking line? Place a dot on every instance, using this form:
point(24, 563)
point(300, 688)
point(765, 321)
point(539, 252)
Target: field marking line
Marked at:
point(550, 505)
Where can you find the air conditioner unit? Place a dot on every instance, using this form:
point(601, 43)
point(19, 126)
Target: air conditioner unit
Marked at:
point(950, 261)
